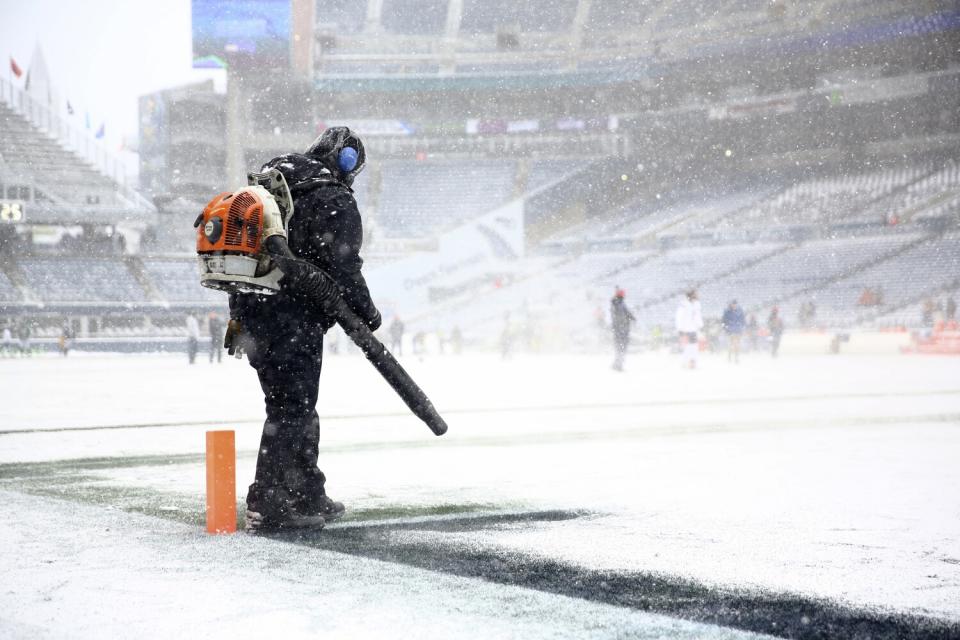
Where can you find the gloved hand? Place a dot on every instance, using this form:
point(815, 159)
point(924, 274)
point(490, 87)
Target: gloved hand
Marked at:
point(374, 323)
point(231, 340)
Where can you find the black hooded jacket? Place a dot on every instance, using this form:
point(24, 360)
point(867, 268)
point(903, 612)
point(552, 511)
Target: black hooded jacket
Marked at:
point(326, 231)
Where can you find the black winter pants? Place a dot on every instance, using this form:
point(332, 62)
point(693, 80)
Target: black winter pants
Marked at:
point(621, 340)
point(288, 366)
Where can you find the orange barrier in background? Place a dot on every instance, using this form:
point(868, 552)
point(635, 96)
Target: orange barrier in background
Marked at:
point(221, 482)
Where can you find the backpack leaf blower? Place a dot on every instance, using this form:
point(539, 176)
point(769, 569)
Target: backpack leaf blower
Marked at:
point(242, 248)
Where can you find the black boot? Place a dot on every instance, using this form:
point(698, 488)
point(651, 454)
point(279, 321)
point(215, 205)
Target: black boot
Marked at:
point(322, 505)
point(311, 497)
point(274, 508)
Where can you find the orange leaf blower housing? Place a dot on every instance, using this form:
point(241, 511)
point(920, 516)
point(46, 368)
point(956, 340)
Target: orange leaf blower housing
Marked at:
point(229, 233)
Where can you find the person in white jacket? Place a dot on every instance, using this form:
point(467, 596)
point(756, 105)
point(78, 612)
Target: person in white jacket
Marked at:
point(689, 323)
point(193, 337)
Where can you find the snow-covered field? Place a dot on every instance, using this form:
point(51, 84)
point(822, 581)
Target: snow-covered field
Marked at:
point(798, 497)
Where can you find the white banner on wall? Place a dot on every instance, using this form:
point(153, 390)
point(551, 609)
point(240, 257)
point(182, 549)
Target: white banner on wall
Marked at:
point(490, 244)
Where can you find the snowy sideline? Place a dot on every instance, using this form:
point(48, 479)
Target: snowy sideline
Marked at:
point(830, 477)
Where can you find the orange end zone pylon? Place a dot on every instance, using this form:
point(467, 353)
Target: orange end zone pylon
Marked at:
point(221, 482)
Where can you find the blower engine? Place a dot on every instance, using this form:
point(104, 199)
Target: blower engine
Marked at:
point(229, 231)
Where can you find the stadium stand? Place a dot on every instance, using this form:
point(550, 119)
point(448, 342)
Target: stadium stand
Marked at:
point(415, 17)
point(826, 200)
point(176, 280)
point(487, 16)
point(683, 210)
point(77, 279)
point(33, 157)
point(684, 268)
point(907, 201)
point(921, 270)
point(546, 171)
point(913, 314)
point(344, 16)
point(8, 291)
point(418, 199)
point(805, 267)
point(606, 15)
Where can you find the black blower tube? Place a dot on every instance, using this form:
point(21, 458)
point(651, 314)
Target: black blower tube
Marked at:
point(312, 281)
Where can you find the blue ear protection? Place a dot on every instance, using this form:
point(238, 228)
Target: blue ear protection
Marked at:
point(347, 160)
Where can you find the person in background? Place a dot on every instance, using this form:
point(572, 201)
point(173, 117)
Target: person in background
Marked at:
point(775, 326)
point(8, 343)
point(927, 313)
point(506, 337)
point(689, 322)
point(951, 309)
point(656, 337)
point(734, 323)
point(396, 335)
point(620, 320)
point(441, 341)
point(23, 335)
point(456, 339)
point(193, 337)
point(215, 326)
point(419, 343)
point(802, 315)
point(753, 331)
point(65, 342)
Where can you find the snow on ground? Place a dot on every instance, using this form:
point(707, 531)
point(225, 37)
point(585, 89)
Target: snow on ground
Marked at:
point(828, 478)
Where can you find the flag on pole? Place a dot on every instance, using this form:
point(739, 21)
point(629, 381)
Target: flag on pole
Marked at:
point(101, 131)
point(69, 108)
point(15, 68)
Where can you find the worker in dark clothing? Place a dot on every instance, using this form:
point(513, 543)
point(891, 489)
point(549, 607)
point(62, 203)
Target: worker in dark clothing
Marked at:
point(775, 326)
point(215, 326)
point(620, 320)
point(396, 335)
point(734, 322)
point(283, 333)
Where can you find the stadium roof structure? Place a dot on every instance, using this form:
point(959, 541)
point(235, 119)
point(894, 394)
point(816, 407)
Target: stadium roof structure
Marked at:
point(579, 41)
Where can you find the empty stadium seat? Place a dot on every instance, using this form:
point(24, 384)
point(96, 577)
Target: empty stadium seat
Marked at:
point(179, 281)
point(30, 153)
point(76, 279)
point(418, 199)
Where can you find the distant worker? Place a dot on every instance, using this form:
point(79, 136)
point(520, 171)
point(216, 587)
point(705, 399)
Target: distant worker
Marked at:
point(689, 322)
point(927, 312)
point(23, 334)
point(775, 326)
point(215, 327)
point(193, 337)
point(753, 331)
point(65, 342)
point(734, 324)
point(456, 339)
point(620, 320)
point(506, 337)
point(951, 309)
point(8, 342)
point(396, 335)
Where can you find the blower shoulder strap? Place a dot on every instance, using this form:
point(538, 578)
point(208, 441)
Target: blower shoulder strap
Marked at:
point(273, 181)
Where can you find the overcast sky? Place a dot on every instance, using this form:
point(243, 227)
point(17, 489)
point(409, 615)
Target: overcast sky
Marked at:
point(103, 54)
